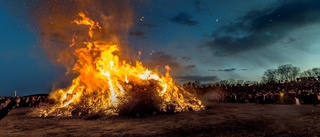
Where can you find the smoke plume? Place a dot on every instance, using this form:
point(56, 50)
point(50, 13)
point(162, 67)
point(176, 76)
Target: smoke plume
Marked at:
point(61, 38)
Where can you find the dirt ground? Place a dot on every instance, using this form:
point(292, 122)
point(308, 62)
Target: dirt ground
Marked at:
point(219, 120)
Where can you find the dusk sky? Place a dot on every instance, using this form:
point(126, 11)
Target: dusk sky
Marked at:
point(203, 40)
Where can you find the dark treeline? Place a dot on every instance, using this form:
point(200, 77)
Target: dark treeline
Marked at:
point(288, 72)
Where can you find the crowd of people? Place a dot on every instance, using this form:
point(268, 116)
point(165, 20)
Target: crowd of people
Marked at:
point(301, 91)
point(25, 101)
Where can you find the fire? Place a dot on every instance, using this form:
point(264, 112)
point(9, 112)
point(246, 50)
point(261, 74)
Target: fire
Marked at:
point(105, 82)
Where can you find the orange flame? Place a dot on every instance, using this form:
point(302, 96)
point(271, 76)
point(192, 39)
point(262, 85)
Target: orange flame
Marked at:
point(103, 79)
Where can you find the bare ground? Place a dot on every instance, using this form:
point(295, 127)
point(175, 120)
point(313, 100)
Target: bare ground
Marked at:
point(220, 120)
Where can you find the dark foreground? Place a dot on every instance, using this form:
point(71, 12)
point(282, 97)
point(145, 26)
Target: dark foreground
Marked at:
point(220, 120)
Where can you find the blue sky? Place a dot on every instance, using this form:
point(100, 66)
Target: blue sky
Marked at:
point(199, 39)
point(23, 64)
point(193, 32)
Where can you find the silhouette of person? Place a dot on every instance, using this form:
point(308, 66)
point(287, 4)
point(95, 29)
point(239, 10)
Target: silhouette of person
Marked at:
point(6, 110)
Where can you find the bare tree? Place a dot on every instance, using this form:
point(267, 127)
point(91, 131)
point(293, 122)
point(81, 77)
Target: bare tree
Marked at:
point(307, 73)
point(283, 73)
point(240, 81)
point(270, 75)
point(315, 72)
point(288, 72)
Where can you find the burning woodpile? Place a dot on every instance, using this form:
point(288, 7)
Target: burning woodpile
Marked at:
point(108, 84)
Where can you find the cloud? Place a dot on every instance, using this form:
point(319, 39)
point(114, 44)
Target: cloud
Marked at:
point(261, 28)
point(191, 66)
point(149, 25)
point(228, 70)
point(198, 78)
point(185, 58)
point(158, 60)
point(138, 33)
point(184, 19)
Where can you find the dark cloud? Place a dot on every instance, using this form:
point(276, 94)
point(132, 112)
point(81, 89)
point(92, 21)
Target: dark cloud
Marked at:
point(184, 19)
point(191, 66)
point(228, 70)
point(262, 28)
point(138, 33)
point(198, 78)
point(158, 60)
point(149, 25)
point(186, 58)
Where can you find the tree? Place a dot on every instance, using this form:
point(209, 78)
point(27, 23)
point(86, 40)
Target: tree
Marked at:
point(307, 73)
point(270, 75)
point(240, 82)
point(315, 72)
point(232, 81)
point(288, 72)
point(224, 82)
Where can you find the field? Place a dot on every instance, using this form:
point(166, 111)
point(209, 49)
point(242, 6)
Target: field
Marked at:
point(218, 120)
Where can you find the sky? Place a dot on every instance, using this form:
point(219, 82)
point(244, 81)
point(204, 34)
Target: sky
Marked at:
point(200, 40)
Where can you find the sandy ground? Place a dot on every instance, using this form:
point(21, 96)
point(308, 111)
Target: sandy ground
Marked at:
point(220, 120)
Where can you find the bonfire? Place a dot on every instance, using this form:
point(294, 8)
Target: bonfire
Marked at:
point(107, 85)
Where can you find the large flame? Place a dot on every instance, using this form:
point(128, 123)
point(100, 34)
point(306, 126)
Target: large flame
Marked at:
point(104, 81)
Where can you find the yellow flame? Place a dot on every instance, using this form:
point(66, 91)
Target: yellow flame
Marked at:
point(102, 78)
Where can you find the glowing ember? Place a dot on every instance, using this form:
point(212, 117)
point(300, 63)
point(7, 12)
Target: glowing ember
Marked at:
point(107, 85)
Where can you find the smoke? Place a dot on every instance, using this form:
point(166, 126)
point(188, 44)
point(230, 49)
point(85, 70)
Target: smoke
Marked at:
point(60, 37)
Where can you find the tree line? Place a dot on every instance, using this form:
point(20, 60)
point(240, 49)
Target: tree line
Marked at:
point(288, 72)
point(282, 73)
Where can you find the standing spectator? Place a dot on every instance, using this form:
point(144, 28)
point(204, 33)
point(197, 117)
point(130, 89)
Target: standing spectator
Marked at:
point(11, 105)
